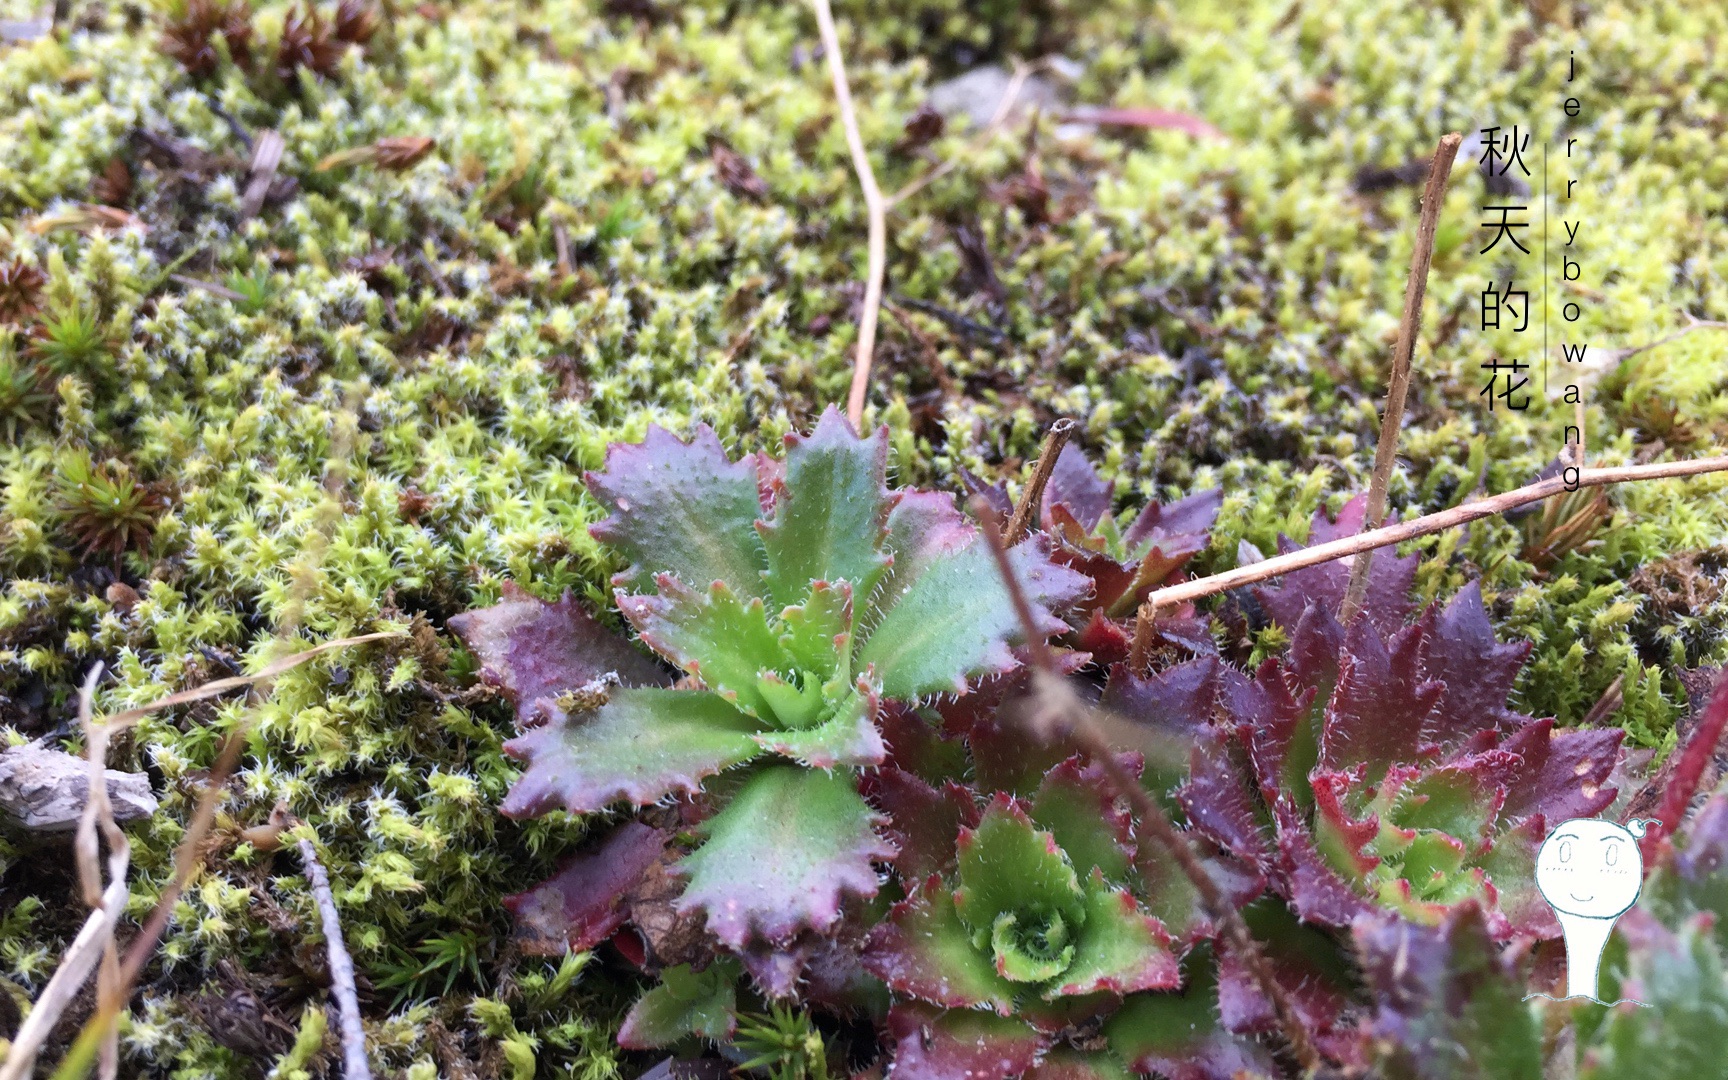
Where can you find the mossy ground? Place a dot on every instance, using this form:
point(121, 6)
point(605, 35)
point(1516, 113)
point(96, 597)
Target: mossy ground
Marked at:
point(386, 410)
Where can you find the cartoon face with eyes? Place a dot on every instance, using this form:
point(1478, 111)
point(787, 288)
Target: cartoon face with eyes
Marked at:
point(1591, 868)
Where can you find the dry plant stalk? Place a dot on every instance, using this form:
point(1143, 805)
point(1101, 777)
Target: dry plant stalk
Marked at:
point(1033, 497)
point(1060, 713)
point(1398, 386)
point(876, 208)
point(1428, 523)
point(354, 1065)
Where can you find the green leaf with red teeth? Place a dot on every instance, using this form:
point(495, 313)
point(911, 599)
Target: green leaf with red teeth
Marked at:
point(782, 855)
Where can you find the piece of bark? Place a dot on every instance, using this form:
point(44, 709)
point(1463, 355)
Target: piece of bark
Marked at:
point(44, 789)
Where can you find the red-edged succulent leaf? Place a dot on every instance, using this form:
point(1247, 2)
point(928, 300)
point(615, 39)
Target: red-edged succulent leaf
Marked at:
point(959, 1044)
point(681, 508)
point(1008, 866)
point(1446, 1003)
point(1314, 888)
point(830, 511)
point(956, 618)
point(1390, 576)
point(1192, 516)
point(1075, 485)
point(1178, 1036)
point(1475, 671)
point(923, 821)
point(1083, 812)
point(583, 904)
point(1119, 950)
point(640, 746)
point(685, 1003)
point(782, 854)
point(1222, 803)
point(924, 950)
point(536, 651)
point(1380, 707)
point(1560, 774)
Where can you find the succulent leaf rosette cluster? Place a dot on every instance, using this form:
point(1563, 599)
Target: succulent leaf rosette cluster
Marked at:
point(796, 596)
point(852, 816)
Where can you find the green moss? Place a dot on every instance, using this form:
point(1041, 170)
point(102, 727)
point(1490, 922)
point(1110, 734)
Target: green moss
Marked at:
point(393, 416)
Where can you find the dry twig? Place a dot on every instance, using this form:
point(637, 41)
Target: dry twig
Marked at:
point(1429, 523)
point(876, 208)
point(1398, 386)
point(1033, 497)
point(354, 1065)
point(1059, 711)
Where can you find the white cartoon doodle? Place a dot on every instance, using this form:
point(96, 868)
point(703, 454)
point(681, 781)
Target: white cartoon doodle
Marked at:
point(1590, 872)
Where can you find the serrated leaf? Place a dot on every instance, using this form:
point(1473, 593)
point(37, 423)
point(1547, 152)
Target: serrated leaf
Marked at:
point(830, 511)
point(1446, 1004)
point(1220, 803)
point(640, 746)
point(1390, 576)
point(1178, 1036)
point(582, 905)
point(923, 821)
point(713, 633)
point(1186, 519)
point(956, 619)
point(1376, 715)
point(847, 737)
point(537, 651)
point(1081, 809)
point(1475, 672)
point(685, 1003)
point(782, 854)
point(1312, 968)
point(1560, 774)
point(1076, 485)
point(681, 509)
point(1006, 864)
point(817, 634)
point(924, 950)
point(1119, 948)
point(959, 1044)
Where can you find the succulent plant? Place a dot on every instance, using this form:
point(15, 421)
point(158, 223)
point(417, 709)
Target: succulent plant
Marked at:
point(796, 596)
point(1378, 765)
point(1123, 564)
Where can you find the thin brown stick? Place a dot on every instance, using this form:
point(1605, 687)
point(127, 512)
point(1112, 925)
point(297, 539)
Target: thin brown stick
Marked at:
point(1428, 523)
point(1033, 497)
point(1140, 648)
point(876, 209)
point(1398, 386)
point(120, 721)
point(354, 1065)
point(1059, 711)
